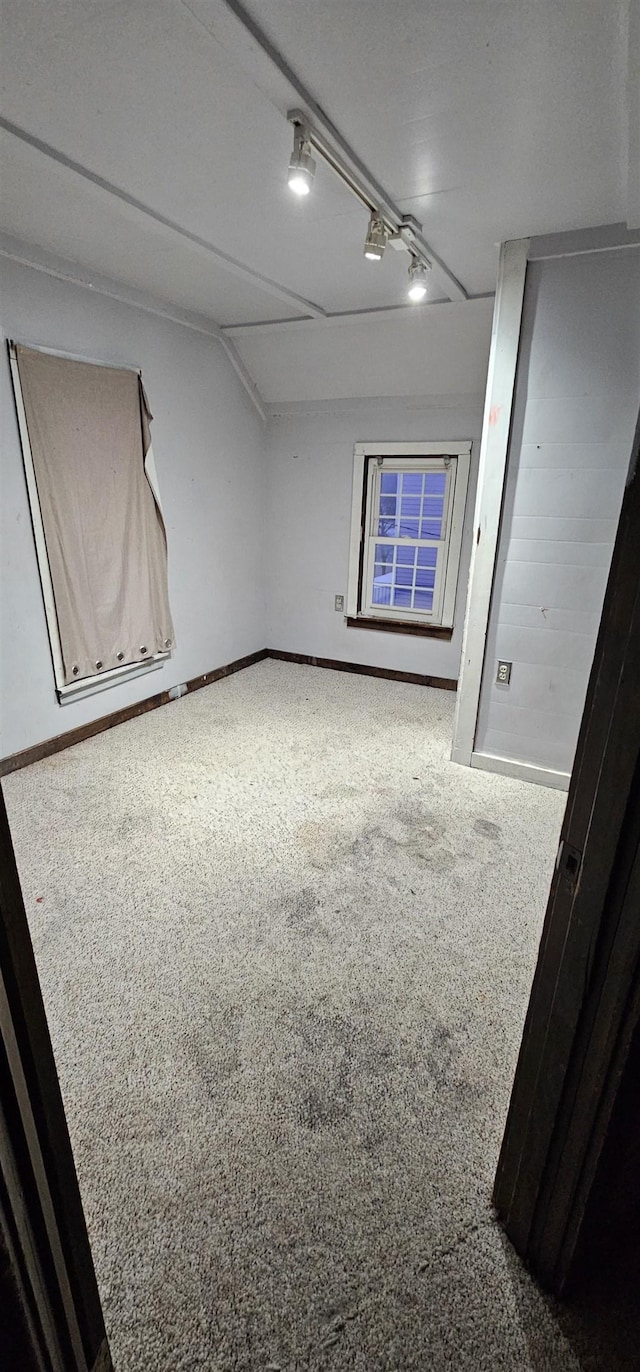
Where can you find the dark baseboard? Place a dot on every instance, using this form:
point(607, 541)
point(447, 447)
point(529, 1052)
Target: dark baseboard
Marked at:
point(15, 761)
point(49, 746)
point(442, 683)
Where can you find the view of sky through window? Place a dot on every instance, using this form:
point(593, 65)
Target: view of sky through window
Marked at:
point(411, 506)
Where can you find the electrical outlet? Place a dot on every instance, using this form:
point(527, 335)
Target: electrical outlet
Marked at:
point(338, 603)
point(503, 675)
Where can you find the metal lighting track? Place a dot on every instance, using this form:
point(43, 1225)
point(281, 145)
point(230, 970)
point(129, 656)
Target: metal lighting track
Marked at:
point(341, 155)
point(402, 227)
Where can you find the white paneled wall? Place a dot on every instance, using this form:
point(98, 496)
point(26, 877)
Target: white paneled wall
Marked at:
point(577, 391)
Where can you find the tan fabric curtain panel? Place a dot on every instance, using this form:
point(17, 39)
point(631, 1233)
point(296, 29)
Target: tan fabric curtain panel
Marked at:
point(89, 436)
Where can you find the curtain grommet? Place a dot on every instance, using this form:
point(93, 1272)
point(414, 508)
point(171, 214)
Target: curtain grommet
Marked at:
point(120, 656)
point(167, 643)
point(98, 664)
point(75, 671)
point(143, 650)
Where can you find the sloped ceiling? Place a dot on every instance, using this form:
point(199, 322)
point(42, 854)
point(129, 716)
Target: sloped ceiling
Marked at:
point(166, 141)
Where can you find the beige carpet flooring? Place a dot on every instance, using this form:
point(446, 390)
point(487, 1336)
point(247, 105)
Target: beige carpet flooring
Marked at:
point(286, 948)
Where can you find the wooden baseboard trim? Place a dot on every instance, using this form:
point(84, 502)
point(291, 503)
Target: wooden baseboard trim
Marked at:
point(441, 683)
point(49, 746)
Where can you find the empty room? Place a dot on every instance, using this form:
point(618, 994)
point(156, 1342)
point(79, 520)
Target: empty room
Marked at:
point(320, 379)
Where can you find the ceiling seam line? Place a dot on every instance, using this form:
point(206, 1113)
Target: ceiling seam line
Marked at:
point(125, 295)
point(228, 263)
point(345, 316)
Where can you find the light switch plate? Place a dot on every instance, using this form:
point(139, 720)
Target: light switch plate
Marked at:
point(339, 603)
point(503, 674)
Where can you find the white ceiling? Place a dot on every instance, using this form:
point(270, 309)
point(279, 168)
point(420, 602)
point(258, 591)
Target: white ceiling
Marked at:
point(485, 120)
point(436, 352)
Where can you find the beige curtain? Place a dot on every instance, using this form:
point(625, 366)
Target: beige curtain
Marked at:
point(89, 436)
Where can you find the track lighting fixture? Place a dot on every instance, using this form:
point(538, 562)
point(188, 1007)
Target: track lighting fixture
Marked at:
point(376, 239)
point(417, 279)
point(387, 225)
point(302, 165)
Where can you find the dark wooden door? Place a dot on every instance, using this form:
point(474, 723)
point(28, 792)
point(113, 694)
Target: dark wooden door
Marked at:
point(585, 1001)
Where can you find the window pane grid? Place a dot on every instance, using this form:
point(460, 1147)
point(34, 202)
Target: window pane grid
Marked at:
point(411, 505)
point(404, 575)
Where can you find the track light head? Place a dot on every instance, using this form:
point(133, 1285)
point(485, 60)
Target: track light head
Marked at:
point(302, 166)
point(418, 279)
point(376, 239)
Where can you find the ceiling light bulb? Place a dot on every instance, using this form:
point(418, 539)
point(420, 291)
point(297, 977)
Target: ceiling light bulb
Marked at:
point(300, 183)
point(302, 165)
point(376, 239)
point(417, 280)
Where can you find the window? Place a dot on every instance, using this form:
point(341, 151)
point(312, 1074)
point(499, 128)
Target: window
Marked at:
point(99, 534)
point(406, 534)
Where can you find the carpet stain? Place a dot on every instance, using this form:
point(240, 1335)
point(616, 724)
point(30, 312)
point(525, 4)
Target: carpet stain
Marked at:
point(416, 819)
point(327, 1062)
point(439, 1054)
point(214, 1051)
point(488, 828)
point(343, 1062)
point(323, 841)
point(373, 843)
point(424, 840)
point(300, 912)
point(138, 822)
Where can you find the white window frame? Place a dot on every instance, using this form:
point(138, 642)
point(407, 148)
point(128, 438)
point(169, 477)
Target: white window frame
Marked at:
point(454, 457)
point(68, 692)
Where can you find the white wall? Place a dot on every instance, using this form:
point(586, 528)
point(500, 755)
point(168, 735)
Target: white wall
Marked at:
point(208, 446)
point(576, 403)
point(309, 482)
point(235, 585)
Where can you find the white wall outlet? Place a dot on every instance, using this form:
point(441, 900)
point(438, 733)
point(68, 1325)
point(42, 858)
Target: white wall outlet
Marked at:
point(338, 603)
point(503, 674)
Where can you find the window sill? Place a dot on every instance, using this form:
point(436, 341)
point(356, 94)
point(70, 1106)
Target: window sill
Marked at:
point(399, 626)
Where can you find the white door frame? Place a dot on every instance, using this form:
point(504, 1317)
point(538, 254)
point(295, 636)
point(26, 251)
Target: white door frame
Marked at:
point(494, 443)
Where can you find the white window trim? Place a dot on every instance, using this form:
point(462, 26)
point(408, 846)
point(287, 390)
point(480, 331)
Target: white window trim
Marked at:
point(371, 539)
point(68, 692)
point(459, 449)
